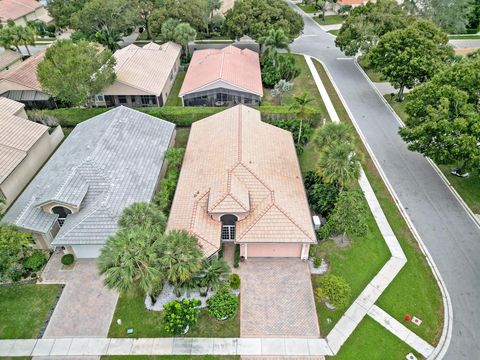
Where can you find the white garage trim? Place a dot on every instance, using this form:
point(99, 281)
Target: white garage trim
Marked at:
point(86, 251)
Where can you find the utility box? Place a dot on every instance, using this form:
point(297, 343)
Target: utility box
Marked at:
point(316, 222)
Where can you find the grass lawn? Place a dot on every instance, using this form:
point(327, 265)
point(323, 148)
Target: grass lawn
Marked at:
point(181, 137)
point(334, 32)
point(307, 8)
point(464, 37)
point(169, 357)
point(370, 341)
point(468, 188)
point(173, 99)
point(24, 309)
point(375, 76)
point(303, 83)
point(414, 290)
point(149, 324)
point(329, 20)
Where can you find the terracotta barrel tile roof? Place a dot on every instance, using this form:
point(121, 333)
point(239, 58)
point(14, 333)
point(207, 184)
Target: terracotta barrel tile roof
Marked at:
point(235, 163)
point(240, 68)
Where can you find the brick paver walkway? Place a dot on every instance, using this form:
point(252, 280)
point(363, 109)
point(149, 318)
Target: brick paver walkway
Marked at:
point(277, 299)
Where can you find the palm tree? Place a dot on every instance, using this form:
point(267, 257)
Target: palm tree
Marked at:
point(184, 33)
point(180, 258)
point(300, 107)
point(129, 260)
point(339, 164)
point(276, 39)
point(143, 214)
point(213, 273)
point(333, 133)
point(9, 36)
point(27, 37)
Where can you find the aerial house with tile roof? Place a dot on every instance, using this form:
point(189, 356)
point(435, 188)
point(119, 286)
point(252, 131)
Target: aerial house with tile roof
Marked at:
point(223, 77)
point(145, 75)
point(23, 11)
point(24, 148)
point(241, 182)
point(106, 164)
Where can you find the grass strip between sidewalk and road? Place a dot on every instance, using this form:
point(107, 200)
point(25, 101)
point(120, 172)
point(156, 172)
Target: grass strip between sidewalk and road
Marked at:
point(414, 290)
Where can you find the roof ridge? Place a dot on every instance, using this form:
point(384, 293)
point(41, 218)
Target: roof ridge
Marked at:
point(291, 219)
point(256, 220)
point(194, 213)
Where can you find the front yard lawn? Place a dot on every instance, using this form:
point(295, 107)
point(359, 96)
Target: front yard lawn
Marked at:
point(329, 20)
point(131, 309)
point(415, 289)
point(303, 83)
point(24, 309)
point(468, 188)
point(334, 32)
point(307, 8)
point(173, 99)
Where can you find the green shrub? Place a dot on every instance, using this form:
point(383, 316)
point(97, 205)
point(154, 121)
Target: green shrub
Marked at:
point(317, 262)
point(293, 125)
point(35, 261)
point(168, 184)
point(276, 67)
point(67, 259)
point(323, 197)
point(234, 281)
point(223, 305)
point(178, 315)
point(312, 250)
point(236, 256)
point(335, 290)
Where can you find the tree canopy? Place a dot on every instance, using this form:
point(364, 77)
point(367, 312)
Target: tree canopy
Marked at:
point(365, 25)
point(74, 72)
point(255, 18)
point(409, 56)
point(62, 10)
point(13, 247)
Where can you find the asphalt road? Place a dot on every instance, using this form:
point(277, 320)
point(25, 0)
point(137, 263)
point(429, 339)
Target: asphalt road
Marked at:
point(451, 236)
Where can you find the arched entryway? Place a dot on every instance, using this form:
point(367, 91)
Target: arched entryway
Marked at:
point(62, 213)
point(228, 227)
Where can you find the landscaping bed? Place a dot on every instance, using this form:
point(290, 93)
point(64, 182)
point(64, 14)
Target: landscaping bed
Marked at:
point(131, 309)
point(24, 309)
point(415, 289)
point(173, 99)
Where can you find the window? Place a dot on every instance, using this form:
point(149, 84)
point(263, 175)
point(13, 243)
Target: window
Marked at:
point(62, 214)
point(228, 227)
point(148, 99)
point(122, 99)
point(99, 98)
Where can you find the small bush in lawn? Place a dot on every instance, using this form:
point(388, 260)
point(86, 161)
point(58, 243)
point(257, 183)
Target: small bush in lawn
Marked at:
point(234, 281)
point(236, 256)
point(335, 290)
point(317, 262)
point(179, 315)
point(67, 259)
point(35, 261)
point(223, 305)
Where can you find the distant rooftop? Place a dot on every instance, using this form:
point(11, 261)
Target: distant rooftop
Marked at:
point(23, 76)
point(14, 9)
point(9, 57)
point(106, 164)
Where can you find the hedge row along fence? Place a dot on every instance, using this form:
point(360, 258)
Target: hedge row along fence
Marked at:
point(181, 116)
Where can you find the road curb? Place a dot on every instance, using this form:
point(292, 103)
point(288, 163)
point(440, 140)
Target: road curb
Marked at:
point(445, 338)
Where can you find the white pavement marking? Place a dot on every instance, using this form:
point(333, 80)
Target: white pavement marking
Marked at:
point(401, 331)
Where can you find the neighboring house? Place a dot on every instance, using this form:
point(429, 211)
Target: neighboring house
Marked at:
point(22, 11)
point(8, 59)
point(24, 148)
point(220, 77)
point(106, 164)
point(21, 84)
point(353, 3)
point(145, 75)
point(241, 182)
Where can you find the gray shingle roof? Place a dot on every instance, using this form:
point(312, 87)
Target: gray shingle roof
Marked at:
point(106, 164)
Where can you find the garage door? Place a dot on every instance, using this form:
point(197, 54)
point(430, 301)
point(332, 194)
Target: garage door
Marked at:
point(274, 250)
point(86, 251)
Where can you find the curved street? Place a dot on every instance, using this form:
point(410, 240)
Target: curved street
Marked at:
point(451, 236)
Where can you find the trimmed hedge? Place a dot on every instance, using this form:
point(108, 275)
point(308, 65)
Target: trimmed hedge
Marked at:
point(67, 259)
point(181, 116)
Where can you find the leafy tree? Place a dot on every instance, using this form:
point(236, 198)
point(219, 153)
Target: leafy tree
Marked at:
point(474, 17)
point(213, 273)
point(143, 214)
point(443, 124)
point(179, 256)
point(14, 246)
point(106, 21)
point(7, 39)
point(280, 89)
point(255, 18)
point(224, 304)
point(75, 72)
point(293, 125)
point(180, 315)
point(129, 260)
point(300, 107)
point(144, 9)
point(335, 290)
point(167, 30)
point(62, 11)
point(183, 34)
point(349, 215)
point(412, 55)
point(367, 24)
point(339, 164)
point(323, 198)
point(15, 35)
point(333, 133)
point(276, 67)
point(451, 16)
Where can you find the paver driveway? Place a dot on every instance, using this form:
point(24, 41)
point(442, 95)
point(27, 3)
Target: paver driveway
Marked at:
point(86, 307)
point(277, 299)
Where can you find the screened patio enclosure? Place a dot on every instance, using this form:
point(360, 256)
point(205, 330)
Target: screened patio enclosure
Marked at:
point(220, 97)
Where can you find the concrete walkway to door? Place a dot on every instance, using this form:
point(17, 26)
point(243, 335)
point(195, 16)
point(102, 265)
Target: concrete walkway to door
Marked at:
point(277, 299)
